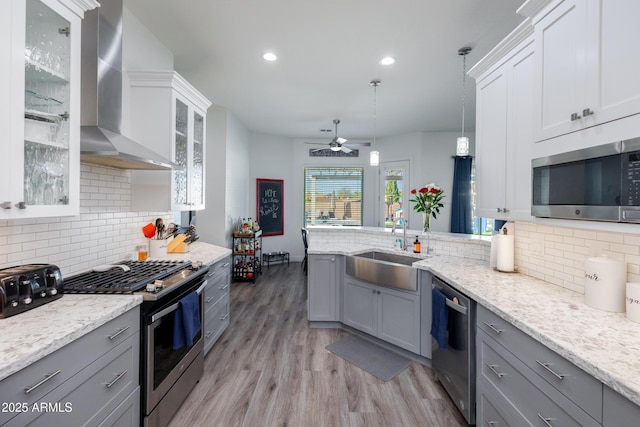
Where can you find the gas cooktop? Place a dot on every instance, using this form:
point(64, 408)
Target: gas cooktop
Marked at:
point(124, 277)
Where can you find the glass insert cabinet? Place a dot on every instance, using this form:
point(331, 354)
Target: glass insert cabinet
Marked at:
point(169, 117)
point(41, 171)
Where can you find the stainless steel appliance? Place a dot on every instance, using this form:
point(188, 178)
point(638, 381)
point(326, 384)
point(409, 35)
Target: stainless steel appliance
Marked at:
point(597, 183)
point(28, 286)
point(167, 374)
point(455, 365)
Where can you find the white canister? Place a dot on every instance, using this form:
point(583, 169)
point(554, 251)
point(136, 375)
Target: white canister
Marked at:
point(158, 248)
point(605, 283)
point(633, 301)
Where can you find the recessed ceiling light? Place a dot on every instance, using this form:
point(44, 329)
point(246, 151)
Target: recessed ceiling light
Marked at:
point(270, 56)
point(388, 60)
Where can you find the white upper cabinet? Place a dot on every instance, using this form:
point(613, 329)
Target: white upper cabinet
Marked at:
point(169, 117)
point(40, 41)
point(586, 67)
point(504, 97)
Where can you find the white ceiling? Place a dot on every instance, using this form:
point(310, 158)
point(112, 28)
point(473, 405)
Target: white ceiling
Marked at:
point(328, 52)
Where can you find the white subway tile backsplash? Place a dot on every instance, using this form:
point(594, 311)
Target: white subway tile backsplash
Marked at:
point(106, 230)
point(562, 252)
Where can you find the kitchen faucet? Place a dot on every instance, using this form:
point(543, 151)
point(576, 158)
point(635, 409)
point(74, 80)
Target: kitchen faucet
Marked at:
point(403, 245)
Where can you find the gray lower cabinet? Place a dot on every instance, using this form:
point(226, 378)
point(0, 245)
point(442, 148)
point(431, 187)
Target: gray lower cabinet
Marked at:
point(618, 410)
point(215, 318)
point(527, 383)
point(92, 381)
point(323, 292)
point(389, 314)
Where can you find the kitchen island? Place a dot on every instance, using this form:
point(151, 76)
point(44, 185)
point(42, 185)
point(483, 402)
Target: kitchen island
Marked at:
point(605, 345)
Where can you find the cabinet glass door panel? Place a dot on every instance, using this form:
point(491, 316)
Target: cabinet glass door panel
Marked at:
point(197, 179)
point(181, 153)
point(46, 109)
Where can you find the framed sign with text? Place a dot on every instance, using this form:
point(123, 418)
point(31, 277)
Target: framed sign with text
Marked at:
point(270, 206)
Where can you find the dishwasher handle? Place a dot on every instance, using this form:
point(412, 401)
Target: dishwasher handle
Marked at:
point(457, 307)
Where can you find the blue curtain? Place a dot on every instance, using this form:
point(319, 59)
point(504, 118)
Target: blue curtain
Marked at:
point(461, 198)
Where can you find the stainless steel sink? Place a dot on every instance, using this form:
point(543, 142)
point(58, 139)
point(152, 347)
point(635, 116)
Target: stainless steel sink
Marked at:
point(381, 268)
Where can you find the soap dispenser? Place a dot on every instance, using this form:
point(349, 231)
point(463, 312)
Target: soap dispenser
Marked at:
point(416, 246)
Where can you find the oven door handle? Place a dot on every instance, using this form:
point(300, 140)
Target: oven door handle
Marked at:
point(174, 307)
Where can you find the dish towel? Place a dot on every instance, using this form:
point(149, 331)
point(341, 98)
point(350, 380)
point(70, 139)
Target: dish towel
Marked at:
point(186, 321)
point(439, 318)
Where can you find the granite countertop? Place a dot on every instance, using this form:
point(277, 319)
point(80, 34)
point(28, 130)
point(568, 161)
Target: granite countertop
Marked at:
point(605, 345)
point(203, 252)
point(32, 335)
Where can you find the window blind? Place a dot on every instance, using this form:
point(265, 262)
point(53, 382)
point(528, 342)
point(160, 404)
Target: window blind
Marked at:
point(333, 195)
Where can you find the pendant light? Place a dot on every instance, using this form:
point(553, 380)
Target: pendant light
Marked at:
point(374, 156)
point(462, 144)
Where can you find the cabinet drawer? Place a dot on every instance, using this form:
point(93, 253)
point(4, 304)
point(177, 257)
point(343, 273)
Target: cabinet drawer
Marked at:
point(127, 414)
point(90, 395)
point(495, 411)
point(533, 397)
point(217, 287)
point(580, 387)
point(215, 322)
point(45, 375)
point(222, 265)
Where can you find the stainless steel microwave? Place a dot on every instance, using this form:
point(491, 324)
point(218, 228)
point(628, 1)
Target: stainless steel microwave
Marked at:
point(598, 183)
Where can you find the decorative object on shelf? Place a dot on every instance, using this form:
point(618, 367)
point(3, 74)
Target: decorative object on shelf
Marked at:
point(270, 206)
point(462, 143)
point(374, 155)
point(428, 200)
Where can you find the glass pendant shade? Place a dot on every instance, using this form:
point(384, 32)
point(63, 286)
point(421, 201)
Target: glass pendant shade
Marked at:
point(462, 146)
point(374, 158)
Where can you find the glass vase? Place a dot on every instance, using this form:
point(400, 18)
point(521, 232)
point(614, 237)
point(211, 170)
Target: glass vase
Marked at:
point(426, 231)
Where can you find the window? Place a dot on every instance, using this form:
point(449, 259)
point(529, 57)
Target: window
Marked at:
point(481, 226)
point(333, 195)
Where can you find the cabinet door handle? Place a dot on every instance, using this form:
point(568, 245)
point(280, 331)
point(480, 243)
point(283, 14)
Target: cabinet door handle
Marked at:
point(546, 421)
point(225, 317)
point(499, 210)
point(493, 327)
point(587, 112)
point(225, 265)
point(546, 366)
point(46, 378)
point(21, 205)
point(575, 116)
point(208, 300)
point(116, 379)
point(224, 287)
point(493, 369)
point(121, 330)
point(490, 423)
point(208, 334)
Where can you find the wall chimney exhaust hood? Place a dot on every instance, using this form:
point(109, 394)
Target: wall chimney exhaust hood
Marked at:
point(101, 141)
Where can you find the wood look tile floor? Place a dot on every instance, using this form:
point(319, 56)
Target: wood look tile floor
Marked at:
point(270, 369)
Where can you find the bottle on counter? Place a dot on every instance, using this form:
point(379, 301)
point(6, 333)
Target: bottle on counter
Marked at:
point(416, 246)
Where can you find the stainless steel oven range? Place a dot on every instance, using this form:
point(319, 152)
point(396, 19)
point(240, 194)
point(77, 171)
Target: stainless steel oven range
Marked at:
point(167, 371)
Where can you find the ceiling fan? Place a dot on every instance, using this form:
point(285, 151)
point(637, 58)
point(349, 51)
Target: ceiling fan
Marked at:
point(338, 143)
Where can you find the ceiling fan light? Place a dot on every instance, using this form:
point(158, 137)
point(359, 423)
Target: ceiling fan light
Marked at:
point(374, 158)
point(335, 146)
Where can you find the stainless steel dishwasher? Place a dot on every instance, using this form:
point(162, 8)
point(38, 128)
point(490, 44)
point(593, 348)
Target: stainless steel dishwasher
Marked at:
point(455, 365)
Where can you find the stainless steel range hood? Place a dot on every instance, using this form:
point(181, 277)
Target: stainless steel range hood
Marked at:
point(101, 141)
